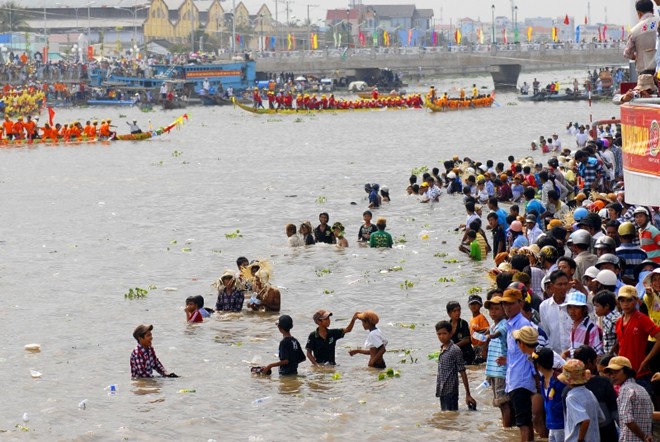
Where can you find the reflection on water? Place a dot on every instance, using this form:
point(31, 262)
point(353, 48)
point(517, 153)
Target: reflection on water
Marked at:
point(112, 213)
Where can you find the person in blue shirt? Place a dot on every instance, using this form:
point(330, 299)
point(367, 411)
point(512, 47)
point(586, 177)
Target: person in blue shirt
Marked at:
point(551, 391)
point(493, 205)
point(533, 205)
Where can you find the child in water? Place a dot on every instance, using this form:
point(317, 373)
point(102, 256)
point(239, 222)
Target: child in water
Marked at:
point(376, 341)
point(338, 231)
point(192, 310)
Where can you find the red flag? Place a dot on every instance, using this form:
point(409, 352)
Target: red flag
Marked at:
point(585, 20)
point(600, 34)
point(51, 115)
point(566, 20)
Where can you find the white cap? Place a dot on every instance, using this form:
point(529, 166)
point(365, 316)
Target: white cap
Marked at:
point(591, 272)
point(483, 168)
point(470, 170)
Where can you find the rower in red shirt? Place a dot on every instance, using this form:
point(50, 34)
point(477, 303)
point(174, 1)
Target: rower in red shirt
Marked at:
point(374, 93)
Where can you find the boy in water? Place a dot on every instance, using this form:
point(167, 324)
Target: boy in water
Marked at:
point(450, 364)
point(460, 333)
point(496, 373)
point(381, 238)
point(367, 228)
point(321, 342)
point(143, 358)
point(376, 341)
point(290, 352)
point(192, 310)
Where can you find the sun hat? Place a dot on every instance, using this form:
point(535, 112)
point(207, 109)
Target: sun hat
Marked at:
point(647, 278)
point(495, 300)
point(627, 291)
point(369, 316)
point(575, 297)
point(645, 82)
point(574, 373)
point(617, 363)
point(607, 277)
point(475, 299)
point(592, 272)
point(527, 335)
point(321, 314)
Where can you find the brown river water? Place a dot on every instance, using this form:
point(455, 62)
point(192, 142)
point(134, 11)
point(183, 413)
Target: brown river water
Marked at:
point(83, 224)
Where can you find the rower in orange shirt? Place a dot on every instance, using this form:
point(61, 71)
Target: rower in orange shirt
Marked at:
point(104, 130)
point(89, 130)
point(19, 129)
point(75, 131)
point(8, 127)
point(30, 128)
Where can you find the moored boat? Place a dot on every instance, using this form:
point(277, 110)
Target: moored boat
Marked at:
point(109, 102)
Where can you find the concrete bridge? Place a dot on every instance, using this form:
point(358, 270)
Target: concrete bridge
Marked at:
point(442, 61)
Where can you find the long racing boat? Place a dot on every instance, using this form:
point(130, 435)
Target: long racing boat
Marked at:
point(252, 109)
point(454, 104)
point(85, 140)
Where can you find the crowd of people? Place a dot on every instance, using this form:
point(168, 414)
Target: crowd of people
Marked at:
point(287, 100)
point(30, 129)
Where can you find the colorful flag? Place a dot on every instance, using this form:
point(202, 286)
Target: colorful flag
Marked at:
point(288, 40)
point(386, 38)
point(585, 20)
point(374, 39)
point(272, 43)
point(504, 38)
point(604, 32)
point(529, 33)
point(600, 34)
point(362, 39)
point(623, 33)
point(577, 34)
point(336, 38)
point(457, 36)
point(554, 33)
point(410, 32)
point(566, 20)
point(315, 41)
point(435, 38)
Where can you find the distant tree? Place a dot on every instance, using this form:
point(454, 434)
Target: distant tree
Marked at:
point(13, 17)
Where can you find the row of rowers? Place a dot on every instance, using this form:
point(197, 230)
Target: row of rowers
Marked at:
point(29, 128)
point(285, 100)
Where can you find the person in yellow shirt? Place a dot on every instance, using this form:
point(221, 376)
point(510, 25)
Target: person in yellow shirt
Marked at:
point(475, 91)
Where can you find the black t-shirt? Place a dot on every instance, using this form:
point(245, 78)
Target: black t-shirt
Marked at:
point(325, 236)
point(462, 331)
point(324, 350)
point(498, 238)
point(290, 350)
point(309, 240)
point(364, 231)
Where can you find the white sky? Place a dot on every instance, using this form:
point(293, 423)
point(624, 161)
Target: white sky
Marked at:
point(618, 11)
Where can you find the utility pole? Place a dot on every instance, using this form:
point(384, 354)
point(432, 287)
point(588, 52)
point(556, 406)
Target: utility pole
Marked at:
point(589, 12)
point(233, 26)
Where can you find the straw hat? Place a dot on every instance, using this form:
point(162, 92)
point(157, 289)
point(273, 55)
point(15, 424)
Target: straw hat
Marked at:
point(574, 373)
point(645, 82)
point(527, 334)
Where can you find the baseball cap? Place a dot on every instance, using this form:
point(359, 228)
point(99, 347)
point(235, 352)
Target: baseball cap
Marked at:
point(369, 316)
point(495, 300)
point(142, 330)
point(530, 218)
point(627, 291)
point(475, 298)
point(285, 322)
point(617, 363)
point(512, 295)
point(321, 314)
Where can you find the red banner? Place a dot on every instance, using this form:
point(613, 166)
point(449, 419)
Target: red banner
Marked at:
point(44, 54)
point(90, 52)
point(641, 139)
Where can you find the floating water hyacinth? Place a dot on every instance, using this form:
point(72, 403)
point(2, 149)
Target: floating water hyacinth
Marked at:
point(323, 272)
point(336, 377)
point(440, 255)
point(452, 261)
point(234, 234)
point(474, 290)
point(328, 292)
point(408, 357)
point(411, 326)
point(389, 373)
point(419, 170)
point(405, 285)
point(177, 153)
point(321, 199)
point(136, 293)
point(446, 279)
point(395, 269)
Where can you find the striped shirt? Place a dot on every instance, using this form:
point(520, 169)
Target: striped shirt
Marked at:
point(496, 348)
point(586, 333)
point(609, 330)
point(649, 239)
point(450, 363)
point(632, 256)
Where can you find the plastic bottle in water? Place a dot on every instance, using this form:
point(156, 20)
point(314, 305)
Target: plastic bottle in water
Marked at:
point(483, 387)
point(261, 400)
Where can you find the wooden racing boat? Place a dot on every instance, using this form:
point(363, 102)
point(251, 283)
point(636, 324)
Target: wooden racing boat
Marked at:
point(367, 95)
point(84, 140)
point(252, 109)
point(457, 104)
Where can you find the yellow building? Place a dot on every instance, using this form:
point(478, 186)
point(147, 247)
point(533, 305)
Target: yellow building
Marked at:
point(178, 20)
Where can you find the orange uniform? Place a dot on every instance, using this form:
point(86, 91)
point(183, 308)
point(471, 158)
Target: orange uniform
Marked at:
point(104, 130)
point(30, 128)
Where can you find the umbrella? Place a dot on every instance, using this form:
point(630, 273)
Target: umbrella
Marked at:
point(301, 78)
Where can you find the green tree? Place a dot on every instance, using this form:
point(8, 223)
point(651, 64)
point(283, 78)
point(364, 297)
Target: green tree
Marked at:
point(13, 17)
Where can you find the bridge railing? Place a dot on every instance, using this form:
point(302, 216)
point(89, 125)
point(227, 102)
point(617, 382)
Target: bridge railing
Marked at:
point(421, 51)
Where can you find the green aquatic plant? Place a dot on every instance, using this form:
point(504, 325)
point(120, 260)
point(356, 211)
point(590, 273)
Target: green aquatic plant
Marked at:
point(405, 285)
point(419, 170)
point(323, 272)
point(136, 293)
point(446, 279)
point(177, 153)
point(408, 357)
point(401, 239)
point(186, 249)
point(433, 356)
point(321, 199)
point(411, 326)
point(395, 269)
point(234, 234)
point(452, 261)
point(474, 290)
point(328, 292)
point(440, 255)
point(389, 373)
point(152, 287)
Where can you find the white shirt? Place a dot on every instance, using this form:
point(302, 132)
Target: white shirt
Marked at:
point(581, 138)
point(557, 324)
point(557, 144)
point(296, 241)
point(375, 339)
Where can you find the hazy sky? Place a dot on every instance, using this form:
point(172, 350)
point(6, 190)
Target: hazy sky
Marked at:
point(618, 11)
